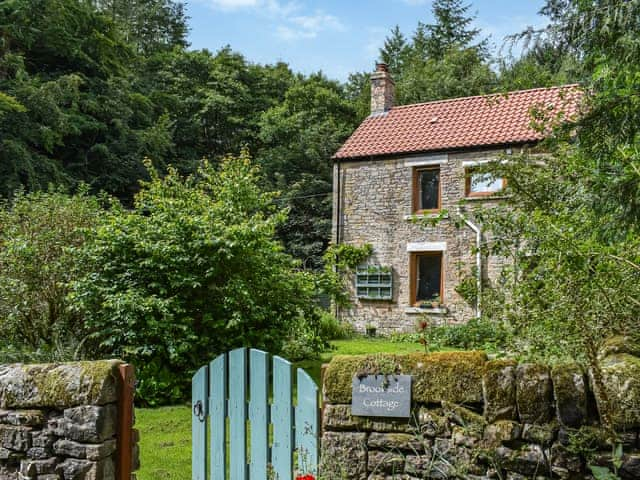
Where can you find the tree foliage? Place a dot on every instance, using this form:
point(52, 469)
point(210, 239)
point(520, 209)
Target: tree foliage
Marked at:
point(192, 271)
point(571, 223)
point(40, 235)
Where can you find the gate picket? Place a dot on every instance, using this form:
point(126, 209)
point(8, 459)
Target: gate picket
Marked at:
point(282, 419)
point(199, 394)
point(307, 422)
point(238, 413)
point(218, 417)
point(258, 413)
point(219, 392)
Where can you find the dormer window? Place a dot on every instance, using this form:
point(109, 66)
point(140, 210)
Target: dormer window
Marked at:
point(480, 184)
point(426, 189)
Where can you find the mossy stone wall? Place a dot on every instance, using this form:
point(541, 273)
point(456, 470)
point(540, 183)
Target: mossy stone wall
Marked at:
point(476, 418)
point(59, 421)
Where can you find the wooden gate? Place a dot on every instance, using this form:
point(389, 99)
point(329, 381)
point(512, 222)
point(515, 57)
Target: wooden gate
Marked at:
point(243, 429)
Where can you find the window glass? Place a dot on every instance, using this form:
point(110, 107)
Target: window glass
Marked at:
point(484, 183)
point(429, 189)
point(429, 276)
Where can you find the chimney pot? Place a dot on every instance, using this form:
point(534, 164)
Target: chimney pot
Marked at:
point(383, 89)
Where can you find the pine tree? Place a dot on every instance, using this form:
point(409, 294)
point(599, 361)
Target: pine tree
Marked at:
point(452, 28)
point(394, 52)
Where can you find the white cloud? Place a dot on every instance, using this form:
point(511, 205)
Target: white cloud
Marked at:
point(308, 26)
point(270, 8)
point(293, 24)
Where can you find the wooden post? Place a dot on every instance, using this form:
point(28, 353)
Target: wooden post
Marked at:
point(323, 371)
point(125, 421)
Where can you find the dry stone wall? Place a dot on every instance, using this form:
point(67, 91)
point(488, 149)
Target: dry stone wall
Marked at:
point(59, 421)
point(475, 418)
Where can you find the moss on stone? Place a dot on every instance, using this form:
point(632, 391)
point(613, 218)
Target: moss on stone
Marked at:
point(469, 420)
point(620, 344)
point(59, 385)
point(621, 376)
point(450, 376)
point(570, 392)
point(534, 393)
point(499, 389)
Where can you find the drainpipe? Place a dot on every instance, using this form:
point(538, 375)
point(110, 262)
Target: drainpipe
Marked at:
point(338, 213)
point(478, 233)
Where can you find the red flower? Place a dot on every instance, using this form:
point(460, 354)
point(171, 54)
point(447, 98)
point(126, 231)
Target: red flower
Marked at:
point(305, 477)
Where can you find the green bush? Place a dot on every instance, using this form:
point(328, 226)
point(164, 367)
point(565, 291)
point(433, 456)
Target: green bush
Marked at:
point(40, 234)
point(476, 334)
point(333, 329)
point(192, 271)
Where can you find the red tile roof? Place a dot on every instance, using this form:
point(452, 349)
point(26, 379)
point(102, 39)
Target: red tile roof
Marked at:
point(486, 120)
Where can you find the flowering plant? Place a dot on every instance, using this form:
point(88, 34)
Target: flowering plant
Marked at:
point(305, 477)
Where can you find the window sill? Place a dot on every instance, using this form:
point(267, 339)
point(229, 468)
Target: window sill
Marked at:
point(428, 311)
point(418, 216)
point(483, 198)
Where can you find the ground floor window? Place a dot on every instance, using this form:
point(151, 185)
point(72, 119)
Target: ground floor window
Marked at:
point(426, 278)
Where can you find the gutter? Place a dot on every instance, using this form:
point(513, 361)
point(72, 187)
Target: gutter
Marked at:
point(477, 230)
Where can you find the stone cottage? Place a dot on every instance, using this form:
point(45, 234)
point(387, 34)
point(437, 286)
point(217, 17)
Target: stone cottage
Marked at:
point(407, 163)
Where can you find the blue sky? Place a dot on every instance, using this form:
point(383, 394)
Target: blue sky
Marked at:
point(337, 37)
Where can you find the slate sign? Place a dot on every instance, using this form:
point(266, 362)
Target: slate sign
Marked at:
point(381, 396)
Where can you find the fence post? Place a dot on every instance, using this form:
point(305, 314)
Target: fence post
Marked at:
point(125, 421)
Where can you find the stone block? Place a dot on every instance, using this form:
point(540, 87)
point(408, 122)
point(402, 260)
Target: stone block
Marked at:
point(433, 423)
point(58, 385)
point(385, 462)
point(344, 455)
point(397, 442)
point(570, 393)
point(564, 464)
point(33, 468)
point(15, 438)
point(337, 417)
point(529, 460)
point(621, 378)
point(91, 424)
point(426, 466)
point(499, 389)
point(29, 418)
point(97, 451)
point(74, 469)
point(630, 468)
point(541, 434)
point(501, 432)
point(533, 393)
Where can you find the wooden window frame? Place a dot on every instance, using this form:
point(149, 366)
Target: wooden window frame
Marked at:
point(467, 185)
point(413, 275)
point(416, 189)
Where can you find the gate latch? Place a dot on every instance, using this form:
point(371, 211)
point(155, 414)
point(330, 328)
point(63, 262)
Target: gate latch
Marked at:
point(198, 410)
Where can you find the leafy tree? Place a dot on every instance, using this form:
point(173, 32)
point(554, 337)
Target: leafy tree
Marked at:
point(571, 222)
point(300, 136)
point(40, 233)
point(83, 119)
point(150, 25)
point(192, 271)
point(460, 73)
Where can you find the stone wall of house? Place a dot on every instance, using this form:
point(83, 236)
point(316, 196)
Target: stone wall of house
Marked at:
point(60, 421)
point(479, 419)
point(376, 208)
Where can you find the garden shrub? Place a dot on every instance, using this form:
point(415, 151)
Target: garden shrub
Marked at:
point(476, 334)
point(192, 271)
point(40, 234)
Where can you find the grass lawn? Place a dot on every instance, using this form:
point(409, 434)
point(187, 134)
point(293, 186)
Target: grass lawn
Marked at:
point(165, 433)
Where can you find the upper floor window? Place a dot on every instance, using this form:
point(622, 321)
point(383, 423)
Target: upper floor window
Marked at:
point(481, 183)
point(426, 189)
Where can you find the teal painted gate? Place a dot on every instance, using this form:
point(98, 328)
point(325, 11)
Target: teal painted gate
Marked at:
point(246, 427)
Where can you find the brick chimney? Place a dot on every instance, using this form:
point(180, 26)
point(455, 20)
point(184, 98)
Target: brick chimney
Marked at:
point(383, 89)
